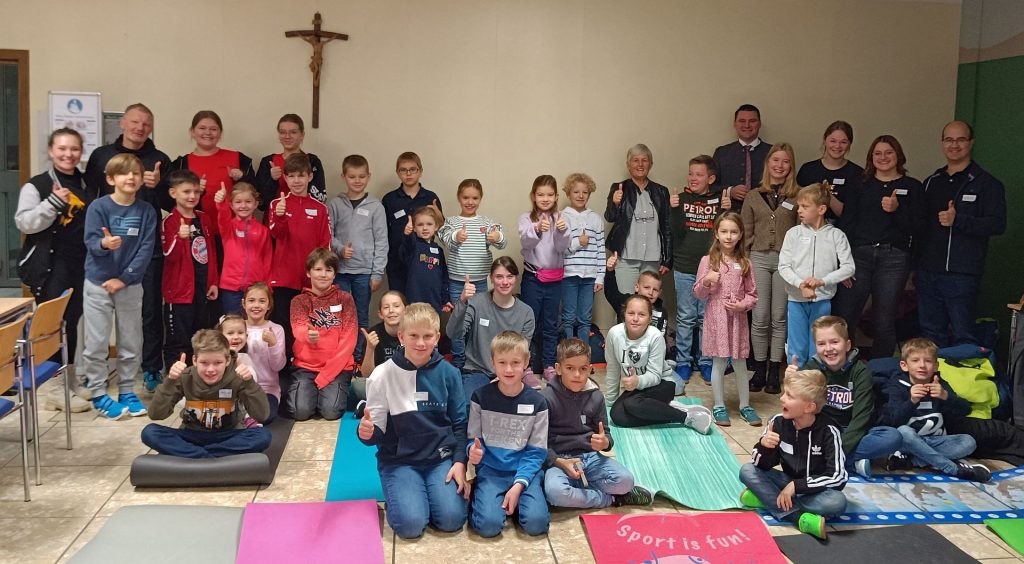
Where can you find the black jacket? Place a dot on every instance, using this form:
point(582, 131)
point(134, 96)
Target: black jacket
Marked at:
point(270, 189)
point(96, 178)
point(573, 418)
point(929, 416)
point(980, 203)
point(813, 457)
point(621, 217)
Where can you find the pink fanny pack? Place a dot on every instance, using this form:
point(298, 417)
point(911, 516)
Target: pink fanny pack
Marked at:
point(550, 274)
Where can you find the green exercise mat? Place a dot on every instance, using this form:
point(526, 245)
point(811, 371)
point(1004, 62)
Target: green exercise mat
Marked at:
point(1010, 530)
point(698, 471)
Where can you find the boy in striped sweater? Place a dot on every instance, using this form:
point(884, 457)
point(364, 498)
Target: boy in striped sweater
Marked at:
point(508, 443)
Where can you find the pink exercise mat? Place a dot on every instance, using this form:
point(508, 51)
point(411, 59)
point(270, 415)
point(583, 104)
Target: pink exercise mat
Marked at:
point(312, 533)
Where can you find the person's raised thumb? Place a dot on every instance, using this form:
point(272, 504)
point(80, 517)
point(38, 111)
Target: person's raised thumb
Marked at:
point(615, 255)
point(675, 191)
point(156, 168)
point(365, 334)
point(620, 187)
point(950, 206)
point(349, 245)
point(476, 443)
point(893, 195)
point(600, 427)
point(467, 279)
point(366, 415)
point(106, 232)
point(935, 379)
point(182, 357)
point(182, 221)
point(796, 360)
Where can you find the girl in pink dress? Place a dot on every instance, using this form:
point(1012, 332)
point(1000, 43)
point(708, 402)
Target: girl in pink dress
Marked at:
point(726, 281)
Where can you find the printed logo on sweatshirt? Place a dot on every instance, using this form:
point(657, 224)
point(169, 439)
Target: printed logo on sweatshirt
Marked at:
point(125, 225)
point(815, 450)
point(431, 262)
point(928, 425)
point(632, 358)
point(322, 318)
point(199, 250)
point(75, 206)
point(839, 397)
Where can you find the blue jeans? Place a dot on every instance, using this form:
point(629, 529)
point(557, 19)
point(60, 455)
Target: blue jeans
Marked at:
point(882, 272)
point(768, 484)
point(800, 338)
point(879, 442)
point(359, 286)
point(544, 299)
point(188, 443)
point(471, 381)
point(689, 321)
point(416, 496)
point(937, 451)
point(947, 300)
point(455, 287)
point(577, 307)
point(606, 477)
point(488, 517)
point(231, 302)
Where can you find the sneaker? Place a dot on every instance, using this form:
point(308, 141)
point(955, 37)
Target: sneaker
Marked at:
point(151, 379)
point(898, 461)
point(680, 385)
point(55, 401)
point(721, 415)
point(549, 373)
point(863, 467)
point(109, 408)
point(705, 373)
point(639, 495)
point(750, 416)
point(357, 413)
point(812, 524)
point(748, 499)
point(531, 379)
point(251, 423)
point(972, 472)
point(698, 417)
point(683, 372)
point(135, 406)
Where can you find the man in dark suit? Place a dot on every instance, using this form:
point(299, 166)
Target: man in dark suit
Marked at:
point(741, 163)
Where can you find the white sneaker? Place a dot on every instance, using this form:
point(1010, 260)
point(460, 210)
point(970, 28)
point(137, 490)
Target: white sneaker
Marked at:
point(698, 417)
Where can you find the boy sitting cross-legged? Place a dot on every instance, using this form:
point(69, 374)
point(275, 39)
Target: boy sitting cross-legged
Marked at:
point(807, 489)
point(578, 474)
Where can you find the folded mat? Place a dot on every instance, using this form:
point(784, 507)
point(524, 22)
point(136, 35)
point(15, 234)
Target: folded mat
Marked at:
point(698, 471)
point(909, 543)
point(163, 471)
point(311, 533)
point(166, 534)
point(680, 537)
point(1010, 530)
point(354, 469)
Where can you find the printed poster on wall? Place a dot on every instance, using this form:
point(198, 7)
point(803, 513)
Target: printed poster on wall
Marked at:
point(80, 111)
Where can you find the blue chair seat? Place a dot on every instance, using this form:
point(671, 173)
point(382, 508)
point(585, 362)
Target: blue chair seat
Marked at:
point(5, 407)
point(44, 372)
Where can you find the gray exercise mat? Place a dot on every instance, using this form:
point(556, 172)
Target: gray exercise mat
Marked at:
point(166, 534)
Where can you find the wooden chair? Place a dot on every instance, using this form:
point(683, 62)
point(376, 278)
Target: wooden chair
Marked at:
point(45, 337)
point(11, 375)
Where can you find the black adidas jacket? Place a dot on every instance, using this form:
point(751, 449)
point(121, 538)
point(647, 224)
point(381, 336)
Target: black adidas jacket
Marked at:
point(813, 457)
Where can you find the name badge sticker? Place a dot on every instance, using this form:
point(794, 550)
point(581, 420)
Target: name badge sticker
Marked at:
point(364, 213)
point(924, 405)
point(224, 393)
point(838, 181)
point(399, 213)
point(485, 322)
point(133, 232)
point(805, 239)
point(970, 197)
point(421, 396)
point(788, 205)
point(736, 266)
point(335, 308)
point(311, 212)
point(434, 250)
point(901, 191)
point(715, 201)
point(524, 409)
point(583, 418)
point(239, 233)
point(786, 447)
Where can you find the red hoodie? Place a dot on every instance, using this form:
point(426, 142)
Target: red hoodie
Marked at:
point(303, 227)
point(179, 282)
point(247, 250)
point(333, 315)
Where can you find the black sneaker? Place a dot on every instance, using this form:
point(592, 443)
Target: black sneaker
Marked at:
point(972, 472)
point(639, 495)
point(898, 461)
point(358, 411)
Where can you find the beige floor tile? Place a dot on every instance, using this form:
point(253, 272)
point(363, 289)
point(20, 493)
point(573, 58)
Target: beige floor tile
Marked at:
point(67, 491)
point(297, 481)
point(10, 441)
point(981, 528)
point(971, 541)
point(568, 537)
point(465, 546)
point(128, 494)
point(387, 539)
point(312, 440)
point(83, 538)
point(93, 446)
point(39, 540)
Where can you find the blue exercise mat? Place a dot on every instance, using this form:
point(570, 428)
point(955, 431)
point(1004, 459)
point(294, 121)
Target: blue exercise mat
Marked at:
point(929, 498)
point(354, 468)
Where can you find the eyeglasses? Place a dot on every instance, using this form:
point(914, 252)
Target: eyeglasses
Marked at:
point(956, 141)
point(413, 170)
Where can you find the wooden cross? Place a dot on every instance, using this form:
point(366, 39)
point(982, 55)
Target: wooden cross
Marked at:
point(317, 38)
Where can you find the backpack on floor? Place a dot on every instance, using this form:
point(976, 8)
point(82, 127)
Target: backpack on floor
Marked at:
point(596, 345)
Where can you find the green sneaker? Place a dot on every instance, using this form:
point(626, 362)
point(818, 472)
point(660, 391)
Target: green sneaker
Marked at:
point(748, 499)
point(812, 524)
point(721, 415)
point(750, 416)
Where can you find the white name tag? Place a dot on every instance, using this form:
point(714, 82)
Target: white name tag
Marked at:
point(421, 396)
point(399, 213)
point(787, 205)
point(838, 181)
point(133, 232)
point(924, 405)
point(224, 393)
point(901, 191)
point(736, 266)
point(786, 447)
point(583, 418)
point(364, 213)
point(485, 322)
point(715, 201)
point(805, 239)
point(335, 308)
point(433, 250)
point(524, 409)
point(970, 197)
point(239, 233)
point(311, 212)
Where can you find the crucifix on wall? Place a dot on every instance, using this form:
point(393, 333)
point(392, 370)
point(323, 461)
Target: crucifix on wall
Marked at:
point(317, 38)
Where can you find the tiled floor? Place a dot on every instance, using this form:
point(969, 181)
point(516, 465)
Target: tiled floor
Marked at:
point(83, 487)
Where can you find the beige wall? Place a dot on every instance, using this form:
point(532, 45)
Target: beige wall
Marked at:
point(504, 91)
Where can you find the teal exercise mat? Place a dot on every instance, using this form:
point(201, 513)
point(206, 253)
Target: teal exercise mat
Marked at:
point(698, 471)
point(1010, 530)
point(354, 468)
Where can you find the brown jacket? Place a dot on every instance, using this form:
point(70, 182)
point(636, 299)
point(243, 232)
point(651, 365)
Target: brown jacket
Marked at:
point(763, 228)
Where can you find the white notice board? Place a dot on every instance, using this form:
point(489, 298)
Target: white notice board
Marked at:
point(80, 111)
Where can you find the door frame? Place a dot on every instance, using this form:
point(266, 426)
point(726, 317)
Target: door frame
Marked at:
point(20, 58)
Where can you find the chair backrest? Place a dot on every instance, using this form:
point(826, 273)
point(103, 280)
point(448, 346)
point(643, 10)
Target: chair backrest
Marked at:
point(44, 331)
point(9, 336)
